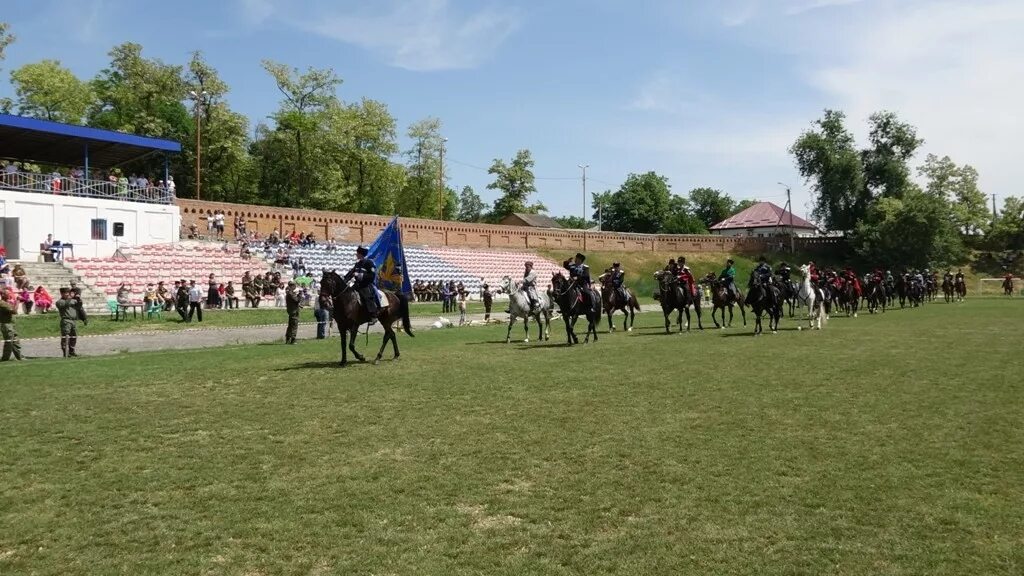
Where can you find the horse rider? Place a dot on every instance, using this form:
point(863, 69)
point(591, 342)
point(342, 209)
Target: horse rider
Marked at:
point(672, 267)
point(364, 272)
point(853, 280)
point(918, 278)
point(728, 279)
point(580, 273)
point(529, 285)
point(813, 273)
point(617, 276)
point(761, 273)
point(686, 276)
point(947, 278)
point(889, 278)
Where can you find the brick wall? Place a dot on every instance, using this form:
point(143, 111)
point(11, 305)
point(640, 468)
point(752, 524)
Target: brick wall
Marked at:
point(364, 228)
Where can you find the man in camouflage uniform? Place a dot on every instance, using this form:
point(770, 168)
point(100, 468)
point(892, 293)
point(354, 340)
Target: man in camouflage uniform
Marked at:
point(69, 307)
point(292, 303)
point(8, 333)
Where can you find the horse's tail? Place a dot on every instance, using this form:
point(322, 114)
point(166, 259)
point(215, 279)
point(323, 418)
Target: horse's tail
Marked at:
point(403, 311)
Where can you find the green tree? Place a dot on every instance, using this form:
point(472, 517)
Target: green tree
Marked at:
point(959, 186)
point(574, 222)
point(828, 159)
point(916, 230)
point(6, 38)
point(1007, 231)
point(743, 205)
point(681, 218)
point(140, 95)
point(711, 206)
point(307, 100)
point(471, 207)
point(50, 91)
point(893, 144)
point(640, 205)
point(516, 183)
point(227, 169)
point(419, 196)
point(369, 131)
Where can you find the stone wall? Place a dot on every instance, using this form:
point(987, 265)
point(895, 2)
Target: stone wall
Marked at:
point(364, 228)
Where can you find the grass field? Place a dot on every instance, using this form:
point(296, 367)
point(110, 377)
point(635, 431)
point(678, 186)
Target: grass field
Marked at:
point(884, 445)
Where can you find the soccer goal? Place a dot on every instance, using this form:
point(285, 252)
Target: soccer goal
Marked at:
point(994, 287)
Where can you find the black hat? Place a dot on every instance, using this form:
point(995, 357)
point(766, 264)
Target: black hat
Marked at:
point(616, 264)
point(581, 256)
point(729, 261)
point(762, 259)
point(362, 251)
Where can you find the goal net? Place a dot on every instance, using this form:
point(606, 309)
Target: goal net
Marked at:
point(994, 287)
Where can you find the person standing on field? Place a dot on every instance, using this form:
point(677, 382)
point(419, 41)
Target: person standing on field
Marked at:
point(70, 309)
point(8, 333)
point(292, 303)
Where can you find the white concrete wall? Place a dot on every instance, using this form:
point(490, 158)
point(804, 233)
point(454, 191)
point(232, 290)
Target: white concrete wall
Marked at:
point(69, 219)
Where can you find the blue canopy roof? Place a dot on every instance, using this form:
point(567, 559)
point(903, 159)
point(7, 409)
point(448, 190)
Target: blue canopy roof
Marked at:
point(46, 142)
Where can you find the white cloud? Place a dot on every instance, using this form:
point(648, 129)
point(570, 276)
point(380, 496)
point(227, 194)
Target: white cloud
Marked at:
point(809, 5)
point(255, 12)
point(955, 70)
point(421, 35)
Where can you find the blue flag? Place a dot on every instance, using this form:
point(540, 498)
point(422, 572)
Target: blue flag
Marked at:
point(389, 258)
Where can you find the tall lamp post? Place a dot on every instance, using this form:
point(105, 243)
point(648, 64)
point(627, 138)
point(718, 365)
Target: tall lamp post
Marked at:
point(789, 206)
point(200, 99)
point(584, 168)
point(440, 184)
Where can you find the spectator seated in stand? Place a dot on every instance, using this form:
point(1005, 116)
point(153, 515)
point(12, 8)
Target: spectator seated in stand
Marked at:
point(124, 294)
point(25, 299)
point(43, 300)
point(20, 277)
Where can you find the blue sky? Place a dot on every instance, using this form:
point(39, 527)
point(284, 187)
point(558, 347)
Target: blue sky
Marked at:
point(707, 93)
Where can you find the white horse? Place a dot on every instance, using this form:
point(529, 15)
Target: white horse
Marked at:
point(817, 316)
point(519, 307)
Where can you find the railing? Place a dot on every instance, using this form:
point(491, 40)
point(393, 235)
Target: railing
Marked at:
point(72, 186)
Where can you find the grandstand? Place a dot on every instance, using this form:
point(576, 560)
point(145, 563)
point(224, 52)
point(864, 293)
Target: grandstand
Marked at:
point(471, 267)
point(164, 262)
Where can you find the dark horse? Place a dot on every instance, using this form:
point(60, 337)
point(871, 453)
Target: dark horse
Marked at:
point(876, 296)
point(722, 300)
point(612, 300)
point(788, 292)
point(960, 287)
point(569, 297)
point(1008, 286)
point(765, 299)
point(674, 296)
point(947, 289)
point(339, 296)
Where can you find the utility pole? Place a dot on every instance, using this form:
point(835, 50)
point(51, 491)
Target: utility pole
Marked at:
point(440, 184)
point(994, 215)
point(789, 207)
point(200, 99)
point(584, 168)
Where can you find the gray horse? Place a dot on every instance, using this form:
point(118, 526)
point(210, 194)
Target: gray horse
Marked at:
point(519, 307)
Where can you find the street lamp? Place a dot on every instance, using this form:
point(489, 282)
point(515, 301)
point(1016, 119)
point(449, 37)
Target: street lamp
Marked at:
point(789, 205)
point(440, 184)
point(200, 99)
point(584, 168)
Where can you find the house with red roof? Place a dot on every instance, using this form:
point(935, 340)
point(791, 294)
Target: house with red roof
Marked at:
point(762, 220)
